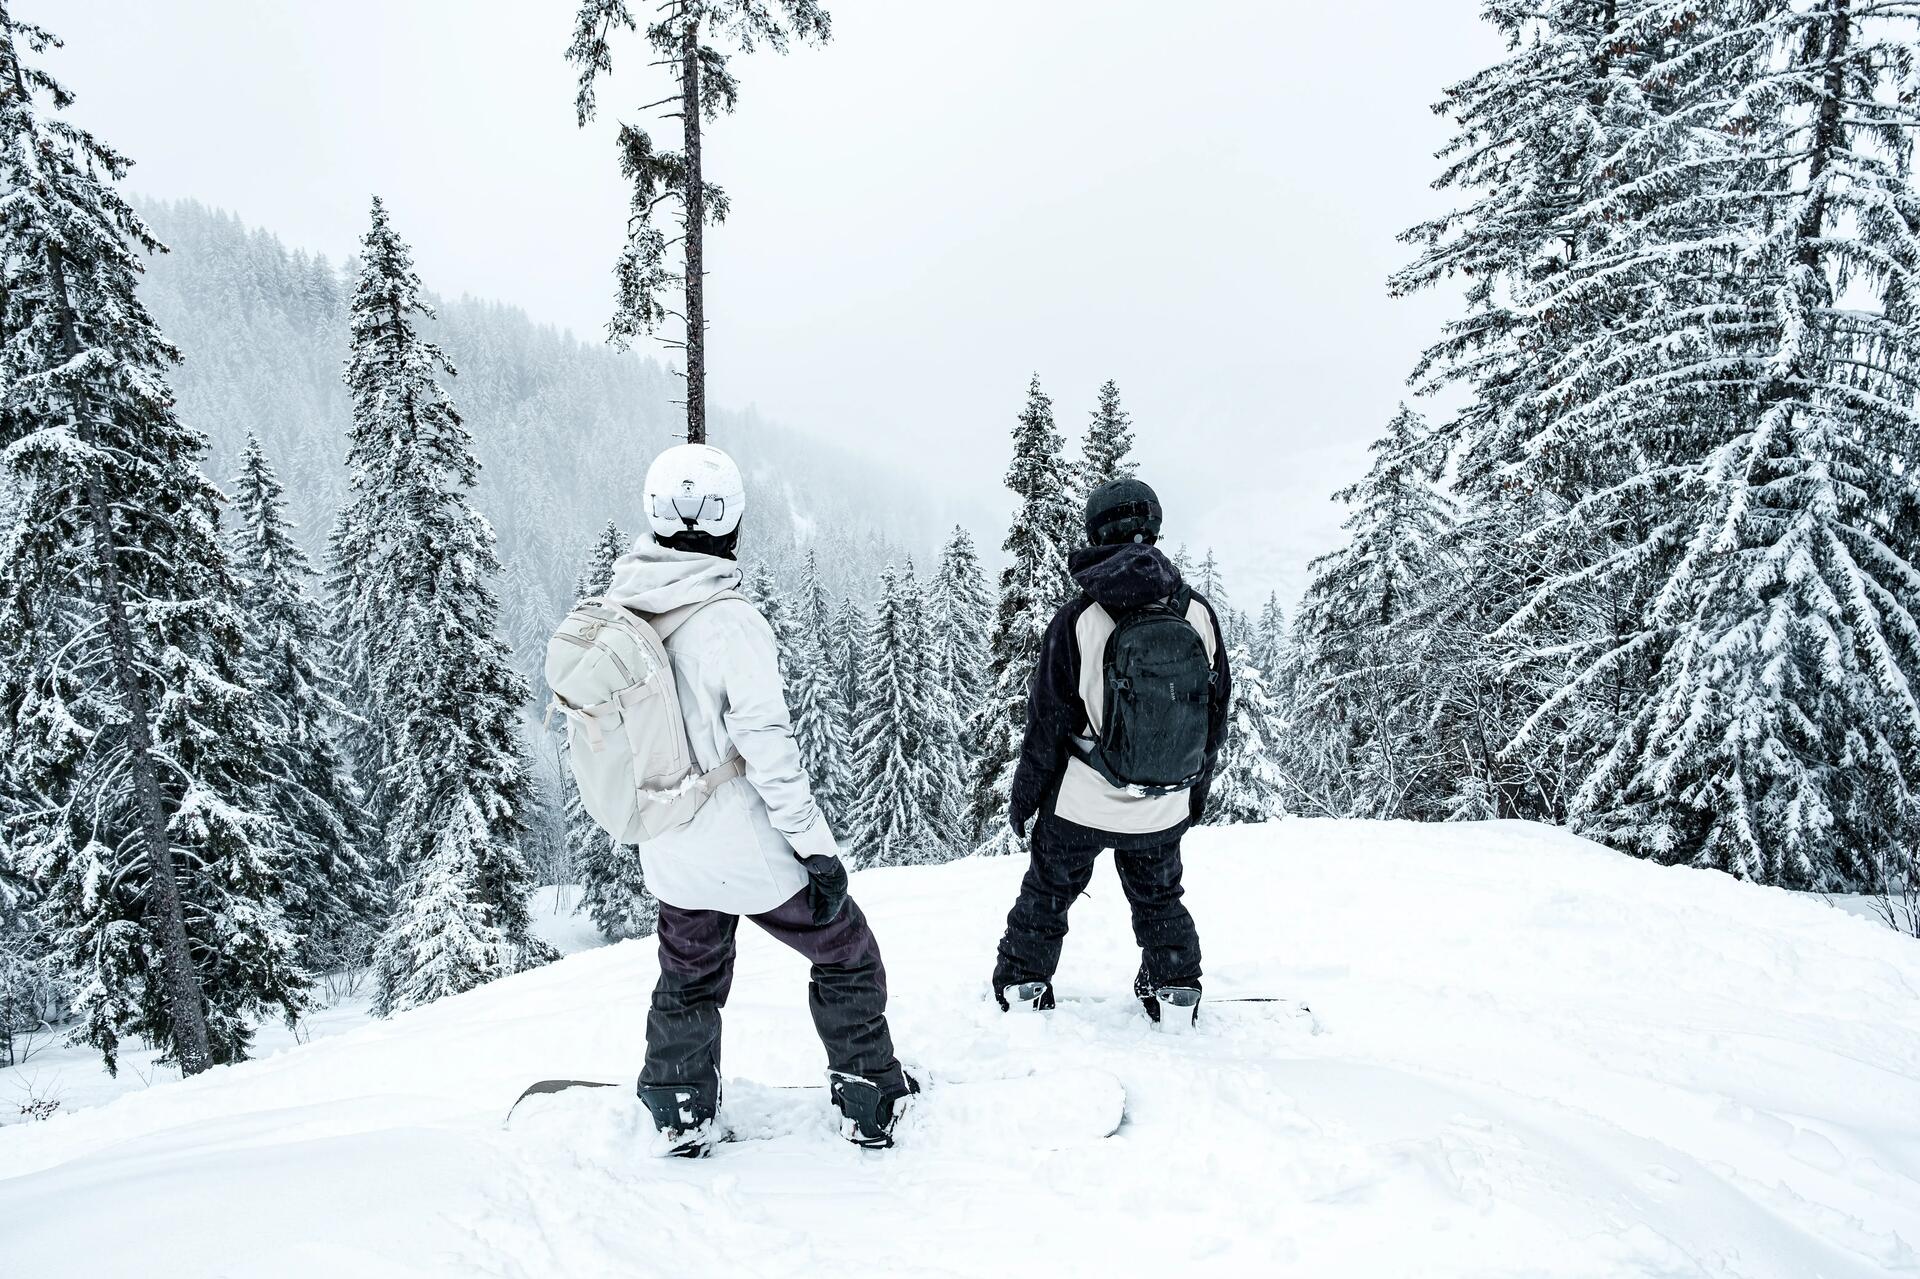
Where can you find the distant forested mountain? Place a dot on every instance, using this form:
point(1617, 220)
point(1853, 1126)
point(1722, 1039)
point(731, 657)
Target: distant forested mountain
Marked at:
point(564, 428)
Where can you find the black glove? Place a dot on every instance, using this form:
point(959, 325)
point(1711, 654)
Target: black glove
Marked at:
point(1018, 819)
point(826, 887)
point(1197, 799)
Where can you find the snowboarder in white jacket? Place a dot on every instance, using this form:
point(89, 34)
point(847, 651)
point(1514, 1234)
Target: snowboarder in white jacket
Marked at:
point(759, 847)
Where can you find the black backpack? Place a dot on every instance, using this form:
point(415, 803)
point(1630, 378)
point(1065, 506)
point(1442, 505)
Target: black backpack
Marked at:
point(1160, 681)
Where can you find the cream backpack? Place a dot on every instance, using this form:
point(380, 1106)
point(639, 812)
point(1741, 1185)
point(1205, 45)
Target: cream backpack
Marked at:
point(626, 740)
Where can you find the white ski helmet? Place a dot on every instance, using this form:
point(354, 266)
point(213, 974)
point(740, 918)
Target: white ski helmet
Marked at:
point(694, 488)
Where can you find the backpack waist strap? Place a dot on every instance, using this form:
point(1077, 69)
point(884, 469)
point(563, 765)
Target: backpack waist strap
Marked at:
point(1089, 752)
point(695, 792)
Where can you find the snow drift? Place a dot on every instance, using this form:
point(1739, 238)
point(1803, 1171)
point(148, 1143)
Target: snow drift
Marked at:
point(1534, 1057)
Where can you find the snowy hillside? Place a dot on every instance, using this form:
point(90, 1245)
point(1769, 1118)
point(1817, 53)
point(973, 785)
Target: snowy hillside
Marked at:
point(563, 427)
point(1534, 1057)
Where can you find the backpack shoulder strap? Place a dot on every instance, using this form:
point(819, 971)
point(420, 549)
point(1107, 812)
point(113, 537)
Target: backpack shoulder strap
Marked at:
point(665, 624)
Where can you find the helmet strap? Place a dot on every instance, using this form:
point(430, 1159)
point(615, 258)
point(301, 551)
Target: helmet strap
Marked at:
point(702, 543)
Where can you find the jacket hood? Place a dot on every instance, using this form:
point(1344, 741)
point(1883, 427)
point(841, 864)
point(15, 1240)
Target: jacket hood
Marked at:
point(655, 579)
point(1124, 576)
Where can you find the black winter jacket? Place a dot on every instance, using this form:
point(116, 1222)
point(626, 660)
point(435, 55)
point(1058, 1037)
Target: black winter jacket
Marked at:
point(1118, 578)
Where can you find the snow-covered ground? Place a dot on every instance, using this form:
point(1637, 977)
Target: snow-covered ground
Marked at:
point(69, 1077)
point(1536, 1058)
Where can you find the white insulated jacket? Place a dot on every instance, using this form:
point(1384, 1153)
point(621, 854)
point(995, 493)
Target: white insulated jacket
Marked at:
point(739, 852)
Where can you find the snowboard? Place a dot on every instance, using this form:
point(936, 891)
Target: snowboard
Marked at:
point(1046, 1110)
point(1274, 1006)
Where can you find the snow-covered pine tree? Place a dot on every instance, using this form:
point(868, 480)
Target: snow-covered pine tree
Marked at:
point(847, 658)
point(332, 898)
point(820, 716)
point(596, 570)
point(613, 886)
point(1236, 628)
point(707, 89)
point(1033, 585)
point(1360, 696)
point(958, 605)
point(1269, 648)
point(1572, 149)
point(1208, 580)
point(938, 729)
point(891, 825)
point(414, 607)
point(1246, 783)
point(1780, 739)
point(1398, 518)
point(1106, 451)
point(1480, 681)
point(1572, 120)
point(133, 755)
point(34, 993)
point(758, 585)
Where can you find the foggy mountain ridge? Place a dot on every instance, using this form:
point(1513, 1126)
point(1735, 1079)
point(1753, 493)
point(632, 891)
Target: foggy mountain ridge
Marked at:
point(564, 428)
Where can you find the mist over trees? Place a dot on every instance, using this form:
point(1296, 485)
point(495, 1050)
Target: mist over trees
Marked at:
point(562, 429)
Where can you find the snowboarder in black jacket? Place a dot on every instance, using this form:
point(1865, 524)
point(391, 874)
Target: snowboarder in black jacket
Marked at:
point(1071, 783)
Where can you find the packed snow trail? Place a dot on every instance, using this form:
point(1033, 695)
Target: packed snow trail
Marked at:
point(1536, 1058)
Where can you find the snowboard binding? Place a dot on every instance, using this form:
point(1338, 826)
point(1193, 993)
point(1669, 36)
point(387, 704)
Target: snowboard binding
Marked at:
point(1174, 1008)
point(1026, 996)
point(684, 1118)
point(1170, 1007)
point(868, 1115)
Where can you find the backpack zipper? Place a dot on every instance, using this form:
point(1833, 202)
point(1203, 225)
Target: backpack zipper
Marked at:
point(580, 642)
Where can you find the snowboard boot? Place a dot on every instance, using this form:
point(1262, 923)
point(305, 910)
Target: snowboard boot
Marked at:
point(868, 1113)
point(1169, 1007)
point(1025, 996)
point(683, 1118)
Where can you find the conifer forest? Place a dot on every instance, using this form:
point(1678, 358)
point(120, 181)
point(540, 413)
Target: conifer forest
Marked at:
point(283, 536)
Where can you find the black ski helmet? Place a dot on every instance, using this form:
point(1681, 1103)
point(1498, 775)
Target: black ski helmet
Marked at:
point(1122, 511)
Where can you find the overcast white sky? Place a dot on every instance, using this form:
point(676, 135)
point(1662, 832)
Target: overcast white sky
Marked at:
point(1199, 200)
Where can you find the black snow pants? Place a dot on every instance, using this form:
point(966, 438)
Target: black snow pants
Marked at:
point(1059, 869)
point(848, 993)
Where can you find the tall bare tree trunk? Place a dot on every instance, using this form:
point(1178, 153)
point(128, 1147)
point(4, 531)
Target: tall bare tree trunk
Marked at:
point(696, 225)
point(1827, 127)
point(179, 980)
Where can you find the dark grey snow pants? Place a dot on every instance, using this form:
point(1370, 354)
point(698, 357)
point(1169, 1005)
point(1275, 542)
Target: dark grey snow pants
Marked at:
point(848, 993)
point(1059, 870)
